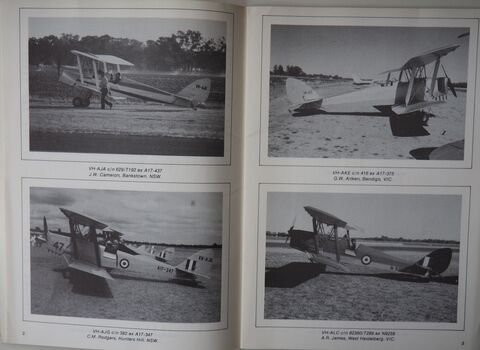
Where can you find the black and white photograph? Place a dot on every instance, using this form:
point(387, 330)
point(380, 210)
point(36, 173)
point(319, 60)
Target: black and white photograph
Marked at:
point(368, 92)
point(128, 85)
point(375, 257)
point(126, 255)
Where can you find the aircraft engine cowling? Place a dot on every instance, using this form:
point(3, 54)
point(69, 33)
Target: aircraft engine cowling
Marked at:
point(303, 241)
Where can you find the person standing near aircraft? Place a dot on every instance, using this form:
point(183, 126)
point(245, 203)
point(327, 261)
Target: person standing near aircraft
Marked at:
point(104, 89)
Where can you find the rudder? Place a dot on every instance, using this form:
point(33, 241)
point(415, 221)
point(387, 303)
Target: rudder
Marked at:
point(433, 264)
point(197, 92)
point(200, 263)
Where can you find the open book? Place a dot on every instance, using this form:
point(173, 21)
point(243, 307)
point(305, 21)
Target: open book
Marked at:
point(184, 175)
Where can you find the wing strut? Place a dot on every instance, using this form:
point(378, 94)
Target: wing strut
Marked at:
point(337, 254)
point(434, 76)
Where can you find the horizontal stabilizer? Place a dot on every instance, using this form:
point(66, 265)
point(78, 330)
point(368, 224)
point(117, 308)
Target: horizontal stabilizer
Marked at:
point(90, 268)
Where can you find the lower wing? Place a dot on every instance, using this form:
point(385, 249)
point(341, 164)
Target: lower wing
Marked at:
point(90, 268)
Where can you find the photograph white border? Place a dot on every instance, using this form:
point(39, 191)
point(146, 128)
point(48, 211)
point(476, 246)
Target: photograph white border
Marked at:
point(393, 21)
point(180, 13)
point(27, 183)
point(264, 188)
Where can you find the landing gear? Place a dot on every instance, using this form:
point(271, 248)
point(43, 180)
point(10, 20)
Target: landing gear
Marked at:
point(77, 102)
point(82, 98)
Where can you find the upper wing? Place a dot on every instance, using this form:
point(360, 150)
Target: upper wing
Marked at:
point(103, 58)
point(82, 219)
point(425, 58)
point(325, 217)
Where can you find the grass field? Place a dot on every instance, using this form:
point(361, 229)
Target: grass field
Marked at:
point(130, 299)
point(332, 296)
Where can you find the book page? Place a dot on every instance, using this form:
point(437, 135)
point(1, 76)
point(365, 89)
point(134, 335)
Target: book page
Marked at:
point(362, 188)
point(123, 150)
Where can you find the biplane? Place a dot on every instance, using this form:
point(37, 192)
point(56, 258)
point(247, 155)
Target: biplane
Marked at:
point(37, 236)
point(359, 81)
point(97, 249)
point(85, 79)
point(408, 94)
point(324, 246)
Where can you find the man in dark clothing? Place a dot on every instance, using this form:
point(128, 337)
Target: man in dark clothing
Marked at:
point(104, 90)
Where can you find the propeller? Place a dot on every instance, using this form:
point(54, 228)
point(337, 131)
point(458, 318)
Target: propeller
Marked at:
point(291, 228)
point(449, 82)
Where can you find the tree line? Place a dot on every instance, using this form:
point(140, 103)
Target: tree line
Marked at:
point(184, 50)
point(296, 71)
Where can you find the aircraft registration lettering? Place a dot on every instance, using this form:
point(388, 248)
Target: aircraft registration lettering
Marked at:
point(165, 269)
point(203, 258)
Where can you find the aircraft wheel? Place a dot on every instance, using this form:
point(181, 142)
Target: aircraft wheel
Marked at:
point(77, 102)
point(85, 102)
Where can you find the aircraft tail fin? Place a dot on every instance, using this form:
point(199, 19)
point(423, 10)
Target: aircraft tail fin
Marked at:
point(198, 264)
point(432, 264)
point(166, 254)
point(196, 93)
point(302, 96)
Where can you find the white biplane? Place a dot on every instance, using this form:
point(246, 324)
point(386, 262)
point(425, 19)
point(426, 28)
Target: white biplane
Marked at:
point(359, 81)
point(407, 95)
point(85, 79)
point(84, 251)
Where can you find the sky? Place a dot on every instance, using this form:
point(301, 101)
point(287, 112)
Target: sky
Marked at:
point(415, 216)
point(170, 217)
point(366, 51)
point(141, 29)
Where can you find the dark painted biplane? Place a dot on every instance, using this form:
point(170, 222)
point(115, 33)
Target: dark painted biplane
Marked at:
point(325, 247)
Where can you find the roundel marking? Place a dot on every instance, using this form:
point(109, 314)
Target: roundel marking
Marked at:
point(366, 260)
point(124, 263)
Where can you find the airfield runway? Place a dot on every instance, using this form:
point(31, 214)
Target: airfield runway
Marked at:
point(141, 128)
point(357, 131)
point(130, 299)
point(333, 296)
point(132, 126)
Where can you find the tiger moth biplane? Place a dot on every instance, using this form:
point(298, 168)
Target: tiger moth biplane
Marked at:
point(323, 246)
point(398, 98)
point(83, 251)
point(85, 79)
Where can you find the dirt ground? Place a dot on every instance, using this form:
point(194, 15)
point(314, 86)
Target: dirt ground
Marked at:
point(132, 126)
point(130, 299)
point(358, 131)
point(331, 296)
point(141, 128)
